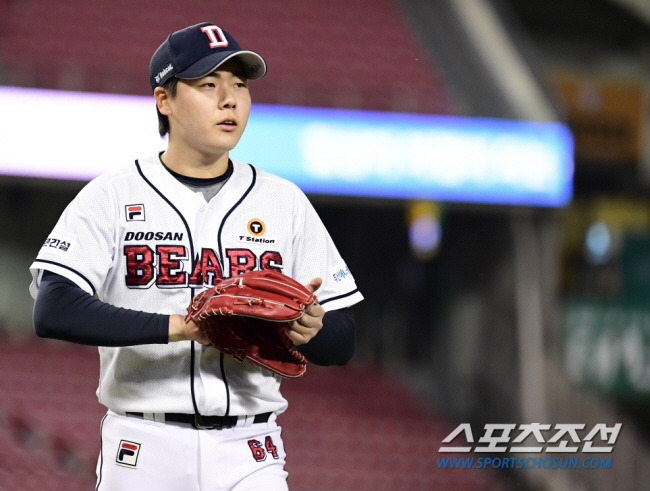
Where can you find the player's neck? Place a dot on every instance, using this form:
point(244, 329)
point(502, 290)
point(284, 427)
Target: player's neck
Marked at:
point(195, 164)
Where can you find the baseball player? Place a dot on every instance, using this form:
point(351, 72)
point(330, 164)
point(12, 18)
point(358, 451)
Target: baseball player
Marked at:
point(137, 244)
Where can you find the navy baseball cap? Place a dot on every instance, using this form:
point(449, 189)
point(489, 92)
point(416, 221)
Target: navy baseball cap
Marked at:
point(197, 50)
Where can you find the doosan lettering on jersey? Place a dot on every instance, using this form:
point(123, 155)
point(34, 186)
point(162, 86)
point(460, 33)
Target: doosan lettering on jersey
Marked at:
point(175, 236)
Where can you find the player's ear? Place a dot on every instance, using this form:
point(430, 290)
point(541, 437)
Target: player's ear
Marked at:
point(163, 97)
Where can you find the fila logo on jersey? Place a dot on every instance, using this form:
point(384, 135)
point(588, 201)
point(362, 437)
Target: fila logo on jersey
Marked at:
point(127, 453)
point(135, 213)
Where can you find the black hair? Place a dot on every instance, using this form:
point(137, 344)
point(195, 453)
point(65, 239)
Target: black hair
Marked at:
point(163, 121)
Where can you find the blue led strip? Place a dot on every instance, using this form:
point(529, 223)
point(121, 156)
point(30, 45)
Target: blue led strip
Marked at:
point(324, 151)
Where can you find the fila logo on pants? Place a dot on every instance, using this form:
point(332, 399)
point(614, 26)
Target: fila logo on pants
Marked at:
point(127, 453)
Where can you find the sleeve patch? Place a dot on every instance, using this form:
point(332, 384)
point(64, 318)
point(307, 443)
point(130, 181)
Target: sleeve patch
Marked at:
point(341, 274)
point(58, 244)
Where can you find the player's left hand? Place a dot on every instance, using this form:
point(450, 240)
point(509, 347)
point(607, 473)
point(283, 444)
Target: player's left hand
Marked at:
point(301, 331)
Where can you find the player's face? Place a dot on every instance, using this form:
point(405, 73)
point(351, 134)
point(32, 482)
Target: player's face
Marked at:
point(209, 114)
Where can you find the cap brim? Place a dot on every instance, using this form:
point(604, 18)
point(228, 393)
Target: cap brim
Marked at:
point(254, 65)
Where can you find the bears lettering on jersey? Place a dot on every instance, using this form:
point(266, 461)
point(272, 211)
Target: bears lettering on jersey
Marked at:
point(207, 270)
point(164, 265)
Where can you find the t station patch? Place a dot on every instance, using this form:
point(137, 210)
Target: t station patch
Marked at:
point(256, 227)
point(127, 453)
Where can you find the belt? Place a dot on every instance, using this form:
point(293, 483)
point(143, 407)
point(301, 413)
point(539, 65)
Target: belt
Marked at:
point(201, 422)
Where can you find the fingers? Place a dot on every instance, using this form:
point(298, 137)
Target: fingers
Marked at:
point(202, 339)
point(301, 331)
point(185, 329)
point(299, 334)
point(314, 284)
point(312, 318)
point(313, 311)
point(194, 333)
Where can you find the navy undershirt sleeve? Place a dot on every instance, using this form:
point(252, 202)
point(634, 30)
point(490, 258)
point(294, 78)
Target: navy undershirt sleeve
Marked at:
point(65, 311)
point(334, 343)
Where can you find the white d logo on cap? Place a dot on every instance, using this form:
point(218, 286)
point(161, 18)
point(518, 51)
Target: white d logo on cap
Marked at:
point(217, 39)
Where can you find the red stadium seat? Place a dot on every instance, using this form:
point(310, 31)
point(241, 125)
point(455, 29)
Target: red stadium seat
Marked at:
point(365, 59)
point(347, 428)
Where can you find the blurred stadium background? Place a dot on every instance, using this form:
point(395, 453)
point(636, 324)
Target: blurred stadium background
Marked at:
point(519, 314)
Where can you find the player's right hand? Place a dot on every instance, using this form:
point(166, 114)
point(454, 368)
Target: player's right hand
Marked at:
point(185, 329)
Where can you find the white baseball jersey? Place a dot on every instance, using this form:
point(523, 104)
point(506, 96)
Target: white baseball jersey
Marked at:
point(140, 239)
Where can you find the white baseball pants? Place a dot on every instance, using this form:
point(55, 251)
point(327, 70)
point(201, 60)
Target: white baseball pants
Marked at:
point(148, 455)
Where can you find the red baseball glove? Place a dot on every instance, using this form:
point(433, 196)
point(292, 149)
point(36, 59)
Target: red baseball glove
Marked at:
point(246, 317)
